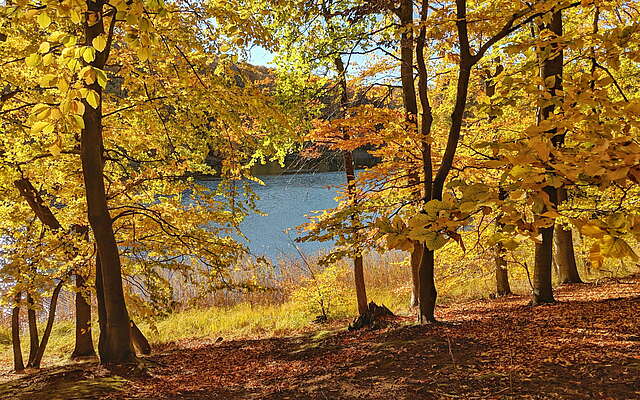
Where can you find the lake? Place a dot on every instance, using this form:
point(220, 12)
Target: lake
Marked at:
point(286, 199)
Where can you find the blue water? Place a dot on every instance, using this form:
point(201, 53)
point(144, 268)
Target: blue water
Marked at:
point(286, 199)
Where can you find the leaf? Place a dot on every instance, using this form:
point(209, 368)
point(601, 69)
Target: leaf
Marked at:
point(591, 230)
point(43, 20)
point(33, 60)
point(79, 121)
point(37, 127)
point(47, 59)
point(144, 53)
point(44, 47)
point(47, 80)
point(76, 17)
point(56, 147)
point(434, 241)
point(618, 248)
point(99, 43)
point(89, 54)
point(101, 76)
point(93, 98)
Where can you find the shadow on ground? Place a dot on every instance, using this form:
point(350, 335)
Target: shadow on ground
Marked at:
point(587, 346)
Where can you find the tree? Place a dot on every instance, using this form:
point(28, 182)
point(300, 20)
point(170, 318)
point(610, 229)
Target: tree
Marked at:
point(88, 64)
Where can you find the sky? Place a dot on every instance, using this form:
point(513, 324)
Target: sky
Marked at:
point(260, 56)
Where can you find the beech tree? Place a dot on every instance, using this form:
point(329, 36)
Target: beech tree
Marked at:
point(133, 182)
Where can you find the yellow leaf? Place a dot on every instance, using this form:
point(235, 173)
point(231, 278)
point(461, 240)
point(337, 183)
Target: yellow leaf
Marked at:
point(99, 43)
point(33, 60)
point(89, 54)
point(43, 20)
point(144, 53)
point(46, 80)
point(76, 17)
point(56, 147)
point(79, 121)
point(44, 47)
point(47, 59)
point(591, 230)
point(39, 126)
point(93, 98)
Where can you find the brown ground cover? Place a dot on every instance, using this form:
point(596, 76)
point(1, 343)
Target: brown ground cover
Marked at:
point(586, 346)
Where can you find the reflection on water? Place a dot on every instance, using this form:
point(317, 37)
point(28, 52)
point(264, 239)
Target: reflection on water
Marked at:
point(286, 199)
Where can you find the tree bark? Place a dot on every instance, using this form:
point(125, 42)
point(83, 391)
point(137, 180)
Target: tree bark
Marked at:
point(47, 330)
point(358, 268)
point(102, 313)
point(139, 341)
point(409, 98)
point(551, 67)
point(542, 288)
point(426, 272)
point(18, 364)
point(502, 274)
point(428, 293)
point(564, 254)
point(416, 254)
point(34, 340)
point(349, 169)
point(118, 348)
point(84, 340)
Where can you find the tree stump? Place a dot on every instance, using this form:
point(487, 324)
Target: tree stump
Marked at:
point(375, 317)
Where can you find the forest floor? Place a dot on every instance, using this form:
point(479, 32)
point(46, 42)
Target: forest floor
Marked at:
point(586, 346)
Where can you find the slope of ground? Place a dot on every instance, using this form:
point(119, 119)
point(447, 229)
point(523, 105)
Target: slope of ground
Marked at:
point(585, 346)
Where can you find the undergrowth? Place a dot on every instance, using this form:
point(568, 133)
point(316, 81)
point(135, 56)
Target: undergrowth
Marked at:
point(291, 305)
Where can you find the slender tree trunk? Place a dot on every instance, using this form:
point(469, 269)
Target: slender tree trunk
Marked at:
point(542, 289)
point(416, 254)
point(84, 340)
point(502, 274)
point(18, 364)
point(358, 268)
point(102, 313)
point(349, 169)
point(426, 273)
point(428, 293)
point(140, 342)
point(551, 67)
point(47, 330)
point(409, 98)
point(91, 147)
point(34, 340)
point(564, 254)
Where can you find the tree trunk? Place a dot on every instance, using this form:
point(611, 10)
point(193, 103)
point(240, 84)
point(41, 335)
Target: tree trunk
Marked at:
point(102, 313)
point(502, 274)
point(358, 269)
point(84, 340)
point(416, 255)
point(428, 293)
point(47, 330)
point(409, 98)
point(564, 255)
point(18, 364)
point(349, 169)
point(119, 348)
point(34, 340)
point(139, 341)
point(551, 67)
point(542, 289)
